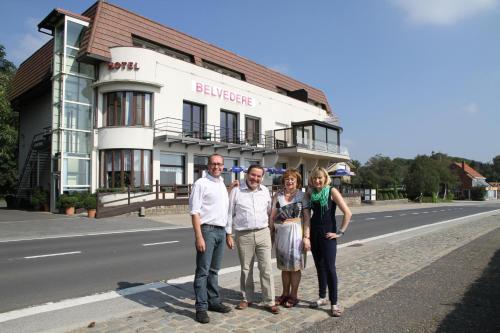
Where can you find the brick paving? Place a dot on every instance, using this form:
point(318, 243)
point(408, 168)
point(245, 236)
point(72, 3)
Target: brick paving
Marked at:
point(363, 271)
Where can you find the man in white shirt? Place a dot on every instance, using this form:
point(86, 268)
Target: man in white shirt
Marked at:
point(208, 206)
point(248, 217)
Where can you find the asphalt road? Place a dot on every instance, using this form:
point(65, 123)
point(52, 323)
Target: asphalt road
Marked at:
point(458, 293)
point(38, 271)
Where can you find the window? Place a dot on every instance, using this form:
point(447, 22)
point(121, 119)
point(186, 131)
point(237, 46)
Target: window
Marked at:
point(199, 166)
point(127, 108)
point(76, 172)
point(229, 127)
point(252, 130)
point(171, 52)
point(223, 70)
point(228, 175)
point(193, 120)
point(125, 167)
point(171, 169)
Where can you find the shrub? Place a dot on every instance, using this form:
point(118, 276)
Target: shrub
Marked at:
point(434, 197)
point(67, 200)
point(90, 202)
point(385, 196)
point(449, 196)
point(478, 193)
point(39, 197)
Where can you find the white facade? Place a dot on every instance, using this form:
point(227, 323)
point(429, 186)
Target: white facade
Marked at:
point(173, 82)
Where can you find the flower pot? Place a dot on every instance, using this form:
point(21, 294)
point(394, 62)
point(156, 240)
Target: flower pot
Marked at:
point(70, 211)
point(91, 213)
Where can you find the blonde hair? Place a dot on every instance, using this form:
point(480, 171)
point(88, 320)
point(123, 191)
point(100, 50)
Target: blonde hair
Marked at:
point(319, 172)
point(292, 173)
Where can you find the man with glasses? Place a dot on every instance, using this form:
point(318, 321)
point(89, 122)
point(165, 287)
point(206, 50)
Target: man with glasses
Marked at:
point(208, 205)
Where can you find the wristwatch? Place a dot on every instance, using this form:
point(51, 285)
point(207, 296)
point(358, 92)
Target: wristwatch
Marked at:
point(340, 233)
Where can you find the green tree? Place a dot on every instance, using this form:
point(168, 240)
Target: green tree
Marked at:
point(448, 180)
point(422, 178)
point(8, 127)
point(496, 168)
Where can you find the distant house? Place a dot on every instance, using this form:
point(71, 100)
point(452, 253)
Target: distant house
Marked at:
point(470, 179)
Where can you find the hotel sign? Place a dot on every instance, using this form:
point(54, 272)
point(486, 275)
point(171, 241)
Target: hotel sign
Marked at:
point(129, 65)
point(223, 93)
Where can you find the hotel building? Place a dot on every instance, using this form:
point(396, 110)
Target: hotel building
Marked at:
point(116, 100)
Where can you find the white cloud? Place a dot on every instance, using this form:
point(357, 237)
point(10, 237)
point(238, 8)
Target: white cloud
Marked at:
point(471, 109)
point(443, 12)
point(282, 68)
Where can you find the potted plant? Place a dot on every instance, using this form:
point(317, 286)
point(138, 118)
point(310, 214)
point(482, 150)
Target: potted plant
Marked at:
point(90, 203)
point(40, 199)
point(68, 203)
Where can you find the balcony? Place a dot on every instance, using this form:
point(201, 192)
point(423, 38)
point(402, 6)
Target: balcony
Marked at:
point(173, 130)
point(312, 139)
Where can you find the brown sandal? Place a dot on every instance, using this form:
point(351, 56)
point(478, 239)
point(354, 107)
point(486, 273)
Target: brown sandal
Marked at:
point(291, 302)
point(282, 300)
point(243, 305)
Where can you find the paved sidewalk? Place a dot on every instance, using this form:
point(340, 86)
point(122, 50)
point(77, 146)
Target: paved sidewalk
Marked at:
point(363, 269)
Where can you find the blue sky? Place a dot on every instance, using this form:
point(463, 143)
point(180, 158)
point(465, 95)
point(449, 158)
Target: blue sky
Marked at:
point(406, 77)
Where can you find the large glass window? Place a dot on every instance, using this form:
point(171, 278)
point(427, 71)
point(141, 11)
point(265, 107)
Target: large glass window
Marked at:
point(229, 127)
point(193, 120)
point(76, 172)
point(127, 108)
point(78, 89)
point(228, 175)
point(171, 169)
point(125, 167)
point(252, 130)
point(77, 116)
point(199, 165)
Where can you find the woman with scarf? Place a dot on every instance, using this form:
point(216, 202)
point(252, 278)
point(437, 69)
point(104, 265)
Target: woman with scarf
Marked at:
point(324, 233)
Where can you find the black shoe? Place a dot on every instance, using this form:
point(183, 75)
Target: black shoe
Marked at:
point(202, 317)
point(221, 308)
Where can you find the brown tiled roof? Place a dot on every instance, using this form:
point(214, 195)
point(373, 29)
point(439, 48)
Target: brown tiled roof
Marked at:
point(33, 70)
point(469, 170)
point(114, 26)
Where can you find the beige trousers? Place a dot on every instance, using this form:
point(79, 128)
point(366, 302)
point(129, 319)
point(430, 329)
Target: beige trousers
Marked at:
point(253, 244)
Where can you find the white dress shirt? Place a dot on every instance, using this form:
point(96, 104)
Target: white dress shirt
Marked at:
point(248, 209)
point(209, 199)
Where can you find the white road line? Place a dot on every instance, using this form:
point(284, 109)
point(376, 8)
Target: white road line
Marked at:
point(369, 218)
point(53, 306)
point(388, 216)
point(425, 212)
point(160, 243)
point(415, 213)
point(95, 234)
point(53, 255)
point(434, 211)
point(402, 214)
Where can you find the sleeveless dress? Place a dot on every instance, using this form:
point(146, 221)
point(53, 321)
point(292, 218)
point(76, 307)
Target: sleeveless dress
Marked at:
point(288, 235)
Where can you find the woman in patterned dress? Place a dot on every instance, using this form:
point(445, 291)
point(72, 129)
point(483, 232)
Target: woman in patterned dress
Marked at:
point(288, 225)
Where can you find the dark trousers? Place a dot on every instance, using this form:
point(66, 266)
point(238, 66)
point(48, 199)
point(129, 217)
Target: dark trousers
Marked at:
point(324, 253)
point(206, 286)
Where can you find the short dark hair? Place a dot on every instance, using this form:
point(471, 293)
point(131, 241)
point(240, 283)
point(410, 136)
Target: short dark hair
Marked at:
point(214, 155)
point(255, 166)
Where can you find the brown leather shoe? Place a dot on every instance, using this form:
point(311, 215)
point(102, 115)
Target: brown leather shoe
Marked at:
point(273, 309)
point(243, 305)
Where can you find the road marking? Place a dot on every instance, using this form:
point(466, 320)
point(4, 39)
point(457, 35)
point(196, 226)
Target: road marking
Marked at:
point(160, 243)
point(95, 234)
point(434, 211)
point(425, 212)
point(53, 255)
point(415, 213)
point(370, 218)
point(53, 306)
point(402, 214)
point(388, 216)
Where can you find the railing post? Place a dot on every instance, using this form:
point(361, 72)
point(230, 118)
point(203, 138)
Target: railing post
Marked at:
point(128, 195)
point(157, 189)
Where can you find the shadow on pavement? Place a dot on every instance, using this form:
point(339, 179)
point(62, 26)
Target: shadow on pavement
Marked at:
point(480, 307)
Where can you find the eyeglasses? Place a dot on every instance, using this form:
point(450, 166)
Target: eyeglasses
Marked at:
point(215, 164)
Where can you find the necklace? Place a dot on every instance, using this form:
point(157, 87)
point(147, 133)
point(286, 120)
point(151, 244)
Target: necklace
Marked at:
point(290, 195)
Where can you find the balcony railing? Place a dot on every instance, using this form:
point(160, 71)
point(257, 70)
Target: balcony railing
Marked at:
point(178, 129)
point(284, 138)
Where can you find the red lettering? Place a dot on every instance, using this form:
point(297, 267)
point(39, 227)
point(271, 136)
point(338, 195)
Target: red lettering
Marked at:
point(238, 98)
point(206, 89)
point(212, 91)
point(250, 101)
point(136, 66)
point(231, 96)
point(124, 64)
point(111, 65)
point(243, 100)
point(117, 65)
point(219, 92)
point(226, 94)
point(199, 87)
point(130, 65)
